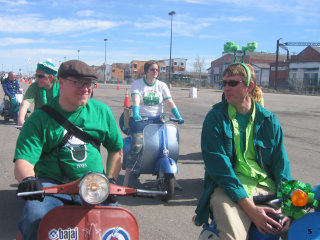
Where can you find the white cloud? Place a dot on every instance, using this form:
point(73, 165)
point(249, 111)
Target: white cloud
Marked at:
point(17, 41)
point(85, 13)
point(31, 24)
point(14, 3)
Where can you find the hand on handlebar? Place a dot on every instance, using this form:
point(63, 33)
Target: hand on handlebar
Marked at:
point(135, 113)
point(265, 223)
point(31, 184)
point(180, 121)
point(176, 113)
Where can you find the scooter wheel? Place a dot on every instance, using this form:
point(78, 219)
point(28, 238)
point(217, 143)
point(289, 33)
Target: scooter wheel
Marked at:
point(166, 184)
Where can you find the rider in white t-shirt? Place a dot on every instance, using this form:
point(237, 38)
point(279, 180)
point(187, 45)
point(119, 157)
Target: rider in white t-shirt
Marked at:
point(148, 95)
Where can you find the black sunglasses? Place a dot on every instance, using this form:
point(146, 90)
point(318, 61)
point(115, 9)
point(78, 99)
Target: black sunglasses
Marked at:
point(40, 76)
point(231, 83)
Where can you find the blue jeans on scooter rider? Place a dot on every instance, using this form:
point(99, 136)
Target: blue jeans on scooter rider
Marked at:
point(148, 95)
point(244, 155)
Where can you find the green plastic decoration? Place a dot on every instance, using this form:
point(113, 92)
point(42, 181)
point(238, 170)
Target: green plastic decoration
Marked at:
point(232, 47)
point(284, 194)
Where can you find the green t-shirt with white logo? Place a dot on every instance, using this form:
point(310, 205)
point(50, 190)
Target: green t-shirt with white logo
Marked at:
point(41, 134)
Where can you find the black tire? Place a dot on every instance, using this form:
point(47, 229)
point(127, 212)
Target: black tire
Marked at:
point(7, 118)
point(166, 184)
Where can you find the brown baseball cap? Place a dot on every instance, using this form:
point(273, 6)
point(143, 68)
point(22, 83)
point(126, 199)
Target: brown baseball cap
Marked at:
point(77, 69)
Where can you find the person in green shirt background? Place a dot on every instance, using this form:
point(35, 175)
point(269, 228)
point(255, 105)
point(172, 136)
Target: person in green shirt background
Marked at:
point(244, 155)
point(44, 89)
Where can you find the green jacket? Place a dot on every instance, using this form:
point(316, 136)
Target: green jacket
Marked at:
point(219, 157)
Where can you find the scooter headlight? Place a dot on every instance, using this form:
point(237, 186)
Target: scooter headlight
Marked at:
point(165, 117)
point(94, 188)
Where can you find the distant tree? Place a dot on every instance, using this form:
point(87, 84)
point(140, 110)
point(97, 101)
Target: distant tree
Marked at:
point(199, 68)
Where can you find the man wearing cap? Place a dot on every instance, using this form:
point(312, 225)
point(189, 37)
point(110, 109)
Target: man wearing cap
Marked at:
point(43, 90)
point(40, 160)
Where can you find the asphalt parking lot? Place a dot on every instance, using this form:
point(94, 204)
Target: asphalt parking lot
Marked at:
point(298, 114)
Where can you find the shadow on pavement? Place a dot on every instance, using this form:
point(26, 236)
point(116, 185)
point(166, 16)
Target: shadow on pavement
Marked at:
point(11, 209)
point(192, 189)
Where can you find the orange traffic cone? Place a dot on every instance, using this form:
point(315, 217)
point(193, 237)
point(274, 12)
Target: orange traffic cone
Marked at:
point(126, 99)
point(118, 87)
point(29, 82)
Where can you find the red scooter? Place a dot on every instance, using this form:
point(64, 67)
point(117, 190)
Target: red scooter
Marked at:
point(89, 220)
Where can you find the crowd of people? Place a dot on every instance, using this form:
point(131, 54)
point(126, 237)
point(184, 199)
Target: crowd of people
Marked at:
point(241, 142)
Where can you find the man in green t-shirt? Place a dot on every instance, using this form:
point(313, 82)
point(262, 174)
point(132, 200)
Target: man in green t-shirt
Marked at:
point(244, 155)
point(37, 156)
point(43, 90)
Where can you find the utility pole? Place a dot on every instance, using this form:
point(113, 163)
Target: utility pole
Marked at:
point(277, 63)
point(105, 60)
point(171, 14)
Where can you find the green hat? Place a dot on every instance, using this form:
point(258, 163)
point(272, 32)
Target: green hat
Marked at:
point(48, 67)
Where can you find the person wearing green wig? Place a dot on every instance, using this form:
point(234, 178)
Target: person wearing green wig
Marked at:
point(40, 92)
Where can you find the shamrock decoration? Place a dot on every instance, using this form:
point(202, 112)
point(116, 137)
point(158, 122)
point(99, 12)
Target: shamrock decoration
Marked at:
point(231, 47)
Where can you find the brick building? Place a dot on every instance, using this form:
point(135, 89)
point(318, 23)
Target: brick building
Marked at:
point(257, 59)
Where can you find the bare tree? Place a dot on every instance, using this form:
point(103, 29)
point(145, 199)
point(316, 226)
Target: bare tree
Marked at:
point(198, 66)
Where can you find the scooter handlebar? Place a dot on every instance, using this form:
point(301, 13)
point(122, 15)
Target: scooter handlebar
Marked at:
point(156, 118)
point(150, 194)
point(23, 194)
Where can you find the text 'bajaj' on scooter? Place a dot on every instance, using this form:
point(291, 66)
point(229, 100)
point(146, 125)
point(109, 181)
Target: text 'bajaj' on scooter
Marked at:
point(298, 200)
point(159, 154)
point(90, 221)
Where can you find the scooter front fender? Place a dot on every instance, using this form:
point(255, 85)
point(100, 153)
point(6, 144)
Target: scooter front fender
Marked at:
point(89, 222)
point(166, 165)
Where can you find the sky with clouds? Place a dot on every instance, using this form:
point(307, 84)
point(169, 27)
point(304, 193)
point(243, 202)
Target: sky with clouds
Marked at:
point(33, 30)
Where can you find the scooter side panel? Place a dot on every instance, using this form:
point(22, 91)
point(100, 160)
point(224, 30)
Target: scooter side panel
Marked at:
point(89, 222)
point(151, 146)
point(306, 227)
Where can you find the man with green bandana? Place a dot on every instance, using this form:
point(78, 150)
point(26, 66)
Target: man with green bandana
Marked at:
point(43, 90)
point(244, 155)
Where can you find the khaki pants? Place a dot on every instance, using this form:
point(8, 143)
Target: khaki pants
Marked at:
point(232, 222)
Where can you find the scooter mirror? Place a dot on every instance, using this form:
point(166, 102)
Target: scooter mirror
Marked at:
point(165, 117)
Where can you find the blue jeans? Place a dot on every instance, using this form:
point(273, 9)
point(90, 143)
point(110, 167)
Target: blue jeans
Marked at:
point(34, 210)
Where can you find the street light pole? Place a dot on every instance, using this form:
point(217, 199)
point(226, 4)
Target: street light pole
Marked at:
point(78, 54)
point(171, 14)
point(105, 59)
point(277, 63)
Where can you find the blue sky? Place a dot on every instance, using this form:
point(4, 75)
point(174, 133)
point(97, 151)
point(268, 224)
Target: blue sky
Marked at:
point(31, 31)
